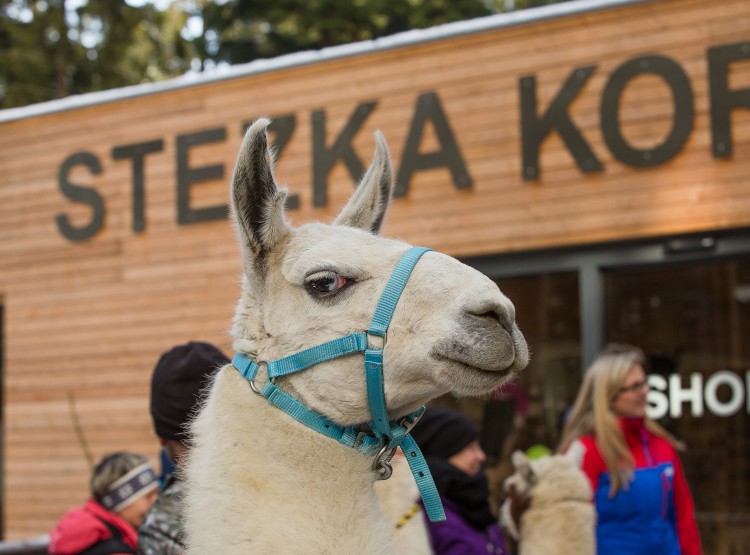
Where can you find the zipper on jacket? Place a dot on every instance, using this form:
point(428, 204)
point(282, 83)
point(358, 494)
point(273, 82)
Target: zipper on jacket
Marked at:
point(666, 481)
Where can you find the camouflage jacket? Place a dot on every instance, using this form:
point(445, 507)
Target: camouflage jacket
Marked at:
point(161, 531)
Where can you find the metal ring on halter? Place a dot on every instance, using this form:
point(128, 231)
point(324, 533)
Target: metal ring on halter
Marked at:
point(382, 464)
point(252, 382)
point(384, 337)
point(384, 470)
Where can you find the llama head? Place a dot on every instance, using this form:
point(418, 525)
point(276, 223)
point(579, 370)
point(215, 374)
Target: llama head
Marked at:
point(549, 479)
point(452, 330)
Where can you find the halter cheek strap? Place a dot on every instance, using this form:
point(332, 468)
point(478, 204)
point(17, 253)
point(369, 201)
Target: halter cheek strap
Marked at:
point(386, 435)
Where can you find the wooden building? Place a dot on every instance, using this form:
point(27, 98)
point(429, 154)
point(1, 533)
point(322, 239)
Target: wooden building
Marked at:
point(593, 157)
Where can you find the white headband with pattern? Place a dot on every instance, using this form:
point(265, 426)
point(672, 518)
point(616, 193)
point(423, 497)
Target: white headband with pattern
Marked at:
point(133, 485)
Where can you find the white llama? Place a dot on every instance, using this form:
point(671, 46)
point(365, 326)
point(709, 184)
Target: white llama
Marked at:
point(287, 465)
point(561, 518)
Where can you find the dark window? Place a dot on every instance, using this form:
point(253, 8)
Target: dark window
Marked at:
point(693, 322)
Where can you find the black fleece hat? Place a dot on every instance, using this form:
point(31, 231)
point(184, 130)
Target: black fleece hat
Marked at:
point(179, 376)
point(441, 433)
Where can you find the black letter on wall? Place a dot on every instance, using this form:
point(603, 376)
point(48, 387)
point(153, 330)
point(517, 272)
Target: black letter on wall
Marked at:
point(80, 194)
point(534, 129)
point(682, 122)
point(325, 158)
point(429, 107)
point(186, 176)
point(137, 152)
point(282, 128)
point(722, 99)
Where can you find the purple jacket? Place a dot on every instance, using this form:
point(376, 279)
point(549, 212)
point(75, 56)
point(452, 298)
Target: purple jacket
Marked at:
point(454, 536)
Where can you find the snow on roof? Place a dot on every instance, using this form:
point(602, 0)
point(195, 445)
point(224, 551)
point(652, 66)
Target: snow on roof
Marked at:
point(407, 38)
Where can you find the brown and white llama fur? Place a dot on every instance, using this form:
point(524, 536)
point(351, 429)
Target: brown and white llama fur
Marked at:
point(561, 518)
point(257, 481)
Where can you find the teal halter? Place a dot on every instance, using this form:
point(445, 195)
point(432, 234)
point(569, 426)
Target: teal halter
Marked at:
point(385, 435)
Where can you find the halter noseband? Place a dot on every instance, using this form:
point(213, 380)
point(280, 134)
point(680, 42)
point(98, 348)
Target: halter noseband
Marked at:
point(385, 435)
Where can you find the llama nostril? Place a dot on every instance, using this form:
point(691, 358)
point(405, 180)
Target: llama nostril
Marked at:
point(495, 317)
point(489, 315)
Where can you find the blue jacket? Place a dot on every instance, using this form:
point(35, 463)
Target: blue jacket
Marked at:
point(640, 520)
point(654, 515)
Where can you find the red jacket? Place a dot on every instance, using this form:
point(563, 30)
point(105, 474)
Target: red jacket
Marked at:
point(83, 527)
point(649, 452)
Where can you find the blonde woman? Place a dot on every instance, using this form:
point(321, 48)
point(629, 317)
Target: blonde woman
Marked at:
point(641, 496)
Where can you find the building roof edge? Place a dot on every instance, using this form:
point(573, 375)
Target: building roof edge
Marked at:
point(398, 40)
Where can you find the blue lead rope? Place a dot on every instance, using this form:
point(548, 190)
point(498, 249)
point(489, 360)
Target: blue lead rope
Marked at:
point(386, 434)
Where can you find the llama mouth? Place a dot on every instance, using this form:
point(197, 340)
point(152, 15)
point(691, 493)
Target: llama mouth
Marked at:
point(470, 380)
point(496, 357)
point(488, 349)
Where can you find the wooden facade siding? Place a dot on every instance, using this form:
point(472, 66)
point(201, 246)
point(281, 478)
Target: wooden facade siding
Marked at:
point(85, 321)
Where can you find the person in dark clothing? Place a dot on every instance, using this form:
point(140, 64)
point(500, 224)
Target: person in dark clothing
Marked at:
point(176, 384)
point(450, 444)
point(123, 486)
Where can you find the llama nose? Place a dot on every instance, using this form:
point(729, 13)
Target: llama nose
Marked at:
point(496, 313)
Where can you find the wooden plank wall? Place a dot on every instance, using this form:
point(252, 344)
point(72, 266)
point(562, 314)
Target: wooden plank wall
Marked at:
point(85, 322)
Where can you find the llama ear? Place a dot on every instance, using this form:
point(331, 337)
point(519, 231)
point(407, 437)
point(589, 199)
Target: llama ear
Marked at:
point(257, 203)
point(521, 463)
point(367, 206)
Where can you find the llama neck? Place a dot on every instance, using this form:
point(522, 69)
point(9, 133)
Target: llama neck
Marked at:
point(251, 460)
point(247, 325)
point(278, 439)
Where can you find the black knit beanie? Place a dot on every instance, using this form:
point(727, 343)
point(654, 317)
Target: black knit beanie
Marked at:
point(179, 376)
point(441, 433)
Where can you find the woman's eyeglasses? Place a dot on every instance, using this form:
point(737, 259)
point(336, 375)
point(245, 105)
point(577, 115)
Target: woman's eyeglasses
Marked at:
point(633, 388)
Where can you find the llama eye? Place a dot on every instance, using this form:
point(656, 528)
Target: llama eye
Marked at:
point(327, 284)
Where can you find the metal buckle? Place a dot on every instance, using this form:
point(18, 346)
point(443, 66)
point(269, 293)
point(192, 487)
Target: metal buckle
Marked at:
point(408, 424)
point(382, 465)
